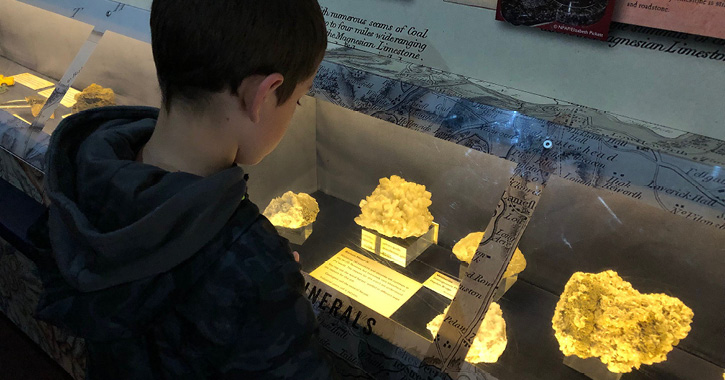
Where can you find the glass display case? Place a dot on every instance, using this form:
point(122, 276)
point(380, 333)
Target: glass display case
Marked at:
point(450, 229)
point(619, 236)
point(62, 63)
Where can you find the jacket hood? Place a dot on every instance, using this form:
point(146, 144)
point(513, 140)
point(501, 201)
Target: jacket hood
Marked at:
point(114, 220)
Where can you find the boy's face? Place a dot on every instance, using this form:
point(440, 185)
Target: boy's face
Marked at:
point(273, 123)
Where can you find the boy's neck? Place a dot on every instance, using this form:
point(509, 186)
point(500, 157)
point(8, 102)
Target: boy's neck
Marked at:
point(184, 141)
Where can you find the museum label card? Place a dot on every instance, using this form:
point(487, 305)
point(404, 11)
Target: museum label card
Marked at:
point(34, 82)
point(583, 18)
point(442, 284)
point(367, 281)
point(68, 100)
point(393, 252)
point(368, 241)
point(704, 17)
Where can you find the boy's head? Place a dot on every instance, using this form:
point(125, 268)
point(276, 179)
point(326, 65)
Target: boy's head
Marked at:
point(254, 52)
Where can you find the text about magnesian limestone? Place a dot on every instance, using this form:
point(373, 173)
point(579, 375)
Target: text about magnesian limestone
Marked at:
point(391, 40)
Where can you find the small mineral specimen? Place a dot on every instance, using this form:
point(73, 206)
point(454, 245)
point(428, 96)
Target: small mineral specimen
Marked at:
point(94, 96)
point(397, 208)
point(36, 103)
point(490, 341)
point(292, 210)
point(465, 249)
point(601, 315)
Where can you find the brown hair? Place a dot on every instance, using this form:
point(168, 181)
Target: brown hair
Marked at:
point(202, 47)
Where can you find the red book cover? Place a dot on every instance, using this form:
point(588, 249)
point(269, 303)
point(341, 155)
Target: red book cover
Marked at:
point(585, 18)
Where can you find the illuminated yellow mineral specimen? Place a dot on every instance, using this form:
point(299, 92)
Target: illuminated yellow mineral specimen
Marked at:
point(292, 210)
point(490, 341)
point(94, 96)
point(465, 249)
point(397, 208)
point(601, 315)
point(36, 103)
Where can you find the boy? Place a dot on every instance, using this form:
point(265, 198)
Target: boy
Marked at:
point(161, 262)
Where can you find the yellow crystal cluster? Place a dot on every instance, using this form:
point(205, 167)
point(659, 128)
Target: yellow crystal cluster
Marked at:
point(490, 341)
point(601, 315)
point(465, 249)
point(94, 96)
point(292, 210)
point(397, 208)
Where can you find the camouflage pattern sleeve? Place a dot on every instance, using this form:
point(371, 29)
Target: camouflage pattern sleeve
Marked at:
point(248, 318)
point(281, 338)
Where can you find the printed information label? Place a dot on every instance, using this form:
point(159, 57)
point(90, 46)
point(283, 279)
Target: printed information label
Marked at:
point(31, 81)
point(442, 284)
point(368, 241)
point(393, 252)
point(367, 281)
point(69, 100)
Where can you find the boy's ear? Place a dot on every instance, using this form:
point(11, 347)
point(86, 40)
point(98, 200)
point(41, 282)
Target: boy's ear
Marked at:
point(254, 91)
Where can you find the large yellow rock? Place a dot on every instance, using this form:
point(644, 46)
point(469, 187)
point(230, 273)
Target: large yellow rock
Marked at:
point(601, 315)
point(292, 210)
point(490, 341)
point(94, 96)
point(465, 249)
point(397, 208)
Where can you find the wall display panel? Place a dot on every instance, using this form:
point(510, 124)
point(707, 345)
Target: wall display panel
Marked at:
point(647, 69)
point(592, 148)
point(695, 17)
point(700, 17)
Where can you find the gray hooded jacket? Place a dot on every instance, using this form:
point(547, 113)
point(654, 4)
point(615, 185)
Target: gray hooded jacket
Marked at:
point(168, 275)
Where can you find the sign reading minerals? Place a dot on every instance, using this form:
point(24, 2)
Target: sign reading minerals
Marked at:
point(585, 18)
